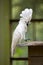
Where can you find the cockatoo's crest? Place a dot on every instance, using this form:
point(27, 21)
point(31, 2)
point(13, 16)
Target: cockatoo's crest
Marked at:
point(26, 14)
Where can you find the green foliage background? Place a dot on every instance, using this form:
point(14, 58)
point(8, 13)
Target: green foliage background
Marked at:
point(35, 30)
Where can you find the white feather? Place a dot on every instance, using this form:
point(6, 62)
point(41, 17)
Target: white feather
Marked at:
point(21, 29)
point(27, 14)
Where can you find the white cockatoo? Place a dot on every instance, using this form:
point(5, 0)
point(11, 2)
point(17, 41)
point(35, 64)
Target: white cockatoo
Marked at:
point(21, 29)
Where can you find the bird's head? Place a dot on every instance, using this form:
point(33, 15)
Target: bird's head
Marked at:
point(26, 15)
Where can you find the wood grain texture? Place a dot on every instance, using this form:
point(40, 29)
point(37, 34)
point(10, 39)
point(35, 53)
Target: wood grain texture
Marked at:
point(32, 43)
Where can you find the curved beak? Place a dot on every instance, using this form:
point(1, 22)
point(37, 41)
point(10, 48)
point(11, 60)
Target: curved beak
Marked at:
point(27, 24)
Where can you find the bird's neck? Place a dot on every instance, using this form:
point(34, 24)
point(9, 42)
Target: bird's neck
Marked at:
point(22, 21)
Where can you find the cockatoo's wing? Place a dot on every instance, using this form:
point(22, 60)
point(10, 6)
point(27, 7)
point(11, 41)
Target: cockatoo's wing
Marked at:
point(15, 39)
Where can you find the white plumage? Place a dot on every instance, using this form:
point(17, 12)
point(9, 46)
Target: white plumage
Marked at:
point(21, 29)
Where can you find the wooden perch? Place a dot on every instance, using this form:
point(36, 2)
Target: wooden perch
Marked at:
point(31, 43)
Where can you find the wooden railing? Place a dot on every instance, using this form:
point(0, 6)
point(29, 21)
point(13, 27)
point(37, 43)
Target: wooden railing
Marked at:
point(33, 20)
